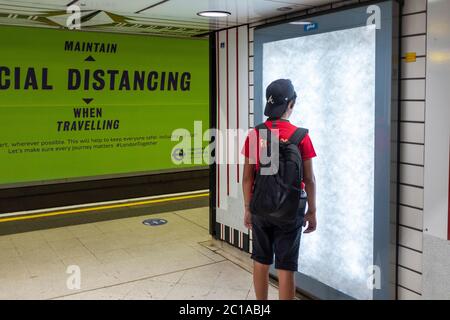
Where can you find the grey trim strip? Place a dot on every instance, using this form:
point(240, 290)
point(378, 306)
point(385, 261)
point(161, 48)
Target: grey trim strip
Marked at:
point(71, 3)
point(93, 178)
point(152, 6)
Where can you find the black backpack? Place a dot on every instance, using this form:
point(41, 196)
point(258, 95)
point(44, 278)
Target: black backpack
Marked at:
point(276, 192)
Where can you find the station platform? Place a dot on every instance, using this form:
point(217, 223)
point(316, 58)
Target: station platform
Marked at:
point(125, 259)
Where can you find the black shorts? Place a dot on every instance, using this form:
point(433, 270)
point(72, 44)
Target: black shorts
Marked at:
point(281, 240)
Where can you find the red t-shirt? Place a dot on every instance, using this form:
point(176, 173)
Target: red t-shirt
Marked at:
point(285, 130)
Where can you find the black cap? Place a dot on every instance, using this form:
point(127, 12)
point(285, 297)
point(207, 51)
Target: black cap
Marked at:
point(278, 95)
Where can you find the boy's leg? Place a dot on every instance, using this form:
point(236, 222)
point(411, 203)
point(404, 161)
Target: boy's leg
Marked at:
point(286, 285)
point(262, 255)
point(261, 280)
point(287, 246)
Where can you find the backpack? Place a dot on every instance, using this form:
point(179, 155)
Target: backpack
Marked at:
point(277, 195)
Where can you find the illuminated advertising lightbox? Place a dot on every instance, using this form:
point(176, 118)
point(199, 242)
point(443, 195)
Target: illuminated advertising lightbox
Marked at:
point(336, 103)
point(341, 70)
point(77, 105)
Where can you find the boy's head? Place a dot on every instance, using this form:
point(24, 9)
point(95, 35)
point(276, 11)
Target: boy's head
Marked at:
point(280, 95)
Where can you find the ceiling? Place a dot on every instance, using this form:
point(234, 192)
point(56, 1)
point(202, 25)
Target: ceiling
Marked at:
point(161, 17)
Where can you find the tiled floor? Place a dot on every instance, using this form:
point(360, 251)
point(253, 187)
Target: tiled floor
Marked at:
point(122, 259)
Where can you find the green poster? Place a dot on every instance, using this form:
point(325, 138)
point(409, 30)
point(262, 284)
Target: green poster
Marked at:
point(80, 104)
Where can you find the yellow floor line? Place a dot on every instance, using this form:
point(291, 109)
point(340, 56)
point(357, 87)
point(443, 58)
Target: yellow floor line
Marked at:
point(112, 206)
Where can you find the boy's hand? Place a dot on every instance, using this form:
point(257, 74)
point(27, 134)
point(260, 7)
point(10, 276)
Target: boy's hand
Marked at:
point(310, 217)
point(248, 219)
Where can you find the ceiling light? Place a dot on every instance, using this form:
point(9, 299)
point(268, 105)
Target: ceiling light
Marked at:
point(301, 22)
point(214, 14)
point(284, 9)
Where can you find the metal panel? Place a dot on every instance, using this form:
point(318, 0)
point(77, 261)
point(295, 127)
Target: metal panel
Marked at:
point(437, 129)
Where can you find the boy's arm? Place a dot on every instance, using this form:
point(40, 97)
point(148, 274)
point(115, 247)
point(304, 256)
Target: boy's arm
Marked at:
point(247, 186)
point(310, 185)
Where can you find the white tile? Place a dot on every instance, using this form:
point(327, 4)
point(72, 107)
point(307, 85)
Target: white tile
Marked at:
point(8, 253)
point(415, 44)
point(155, 259)
point(5, 243)
point(202, 276)
point(84, 230)
point(405, 294)
point(411, 217)
point(412, 90)
point(189, 292)
point(412, 6)
point(410, 279)
point(414, 24)
point(413, 111)
point(227, 294)
point(411, 196)
point(410, 238)
point(273, 293)
point(410, 174)
point(415, 69)
point(412, 132)
point(39, 255)
point(173, 277)
point(13, 269)
point(251, 34)
point(69, 248)
point(251, 63)
point(412, 153)
point(410, 259)
point(112, 256)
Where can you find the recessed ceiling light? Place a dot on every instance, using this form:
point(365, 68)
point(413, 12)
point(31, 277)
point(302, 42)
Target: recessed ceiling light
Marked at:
point(284, 9)
point(214, 14)
point(301, 22)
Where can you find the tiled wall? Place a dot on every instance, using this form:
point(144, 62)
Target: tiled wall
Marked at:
point(412, 125)
point(232, 112)
point(412, 138)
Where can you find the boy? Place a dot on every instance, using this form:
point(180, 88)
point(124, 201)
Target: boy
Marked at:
point(271, 239)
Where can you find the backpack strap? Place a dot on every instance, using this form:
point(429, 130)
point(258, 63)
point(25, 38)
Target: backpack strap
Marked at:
point(298, 135)
point(263, 126)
